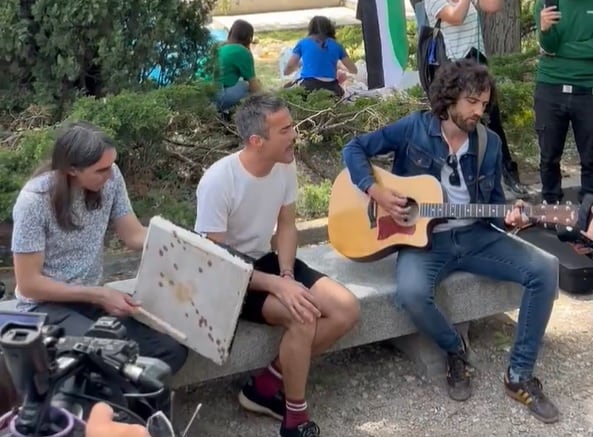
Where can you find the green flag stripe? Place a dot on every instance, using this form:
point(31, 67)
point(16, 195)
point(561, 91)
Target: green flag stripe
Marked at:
point(396, 19)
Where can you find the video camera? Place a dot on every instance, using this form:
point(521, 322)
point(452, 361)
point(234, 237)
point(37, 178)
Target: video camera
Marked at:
point(59, 378)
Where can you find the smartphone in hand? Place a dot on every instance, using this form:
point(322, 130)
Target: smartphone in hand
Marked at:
point(549, 3)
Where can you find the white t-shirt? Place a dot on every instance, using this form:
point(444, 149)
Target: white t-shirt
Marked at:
point(459, 40)
point(455, 194)
point(245, 207)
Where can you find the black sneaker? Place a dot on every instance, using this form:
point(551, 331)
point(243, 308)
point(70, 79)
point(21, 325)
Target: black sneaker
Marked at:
point(251, 400)
point(530, 393)
point(307, 429)
point(458, 377)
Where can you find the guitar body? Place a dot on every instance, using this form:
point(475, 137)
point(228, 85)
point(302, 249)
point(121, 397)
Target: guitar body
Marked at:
point(360, 230)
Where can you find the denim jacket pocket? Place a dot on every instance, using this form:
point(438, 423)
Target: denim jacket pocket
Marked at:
point(419, 160)
point(486, 184)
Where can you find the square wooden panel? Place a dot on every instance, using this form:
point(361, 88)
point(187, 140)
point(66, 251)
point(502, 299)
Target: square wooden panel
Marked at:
point(193, 284)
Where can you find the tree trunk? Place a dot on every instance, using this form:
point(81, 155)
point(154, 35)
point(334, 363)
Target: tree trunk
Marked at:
point(502, 31)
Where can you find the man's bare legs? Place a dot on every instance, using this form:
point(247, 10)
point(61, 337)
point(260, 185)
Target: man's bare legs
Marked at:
point(339, 308)
point(300, 342)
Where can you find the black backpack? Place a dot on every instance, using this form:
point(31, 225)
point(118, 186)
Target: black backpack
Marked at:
point(431, 53)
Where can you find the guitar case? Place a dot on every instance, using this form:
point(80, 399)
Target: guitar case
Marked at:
point(576, 271)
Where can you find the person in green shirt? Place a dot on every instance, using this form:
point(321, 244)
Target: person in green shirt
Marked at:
point(236, 66)
point(564, 90)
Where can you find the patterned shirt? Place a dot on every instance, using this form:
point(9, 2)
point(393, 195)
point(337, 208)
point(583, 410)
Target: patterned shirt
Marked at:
point(73, 257)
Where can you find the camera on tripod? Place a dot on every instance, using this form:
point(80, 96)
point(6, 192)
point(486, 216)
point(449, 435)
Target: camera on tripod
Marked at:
point(59, 378)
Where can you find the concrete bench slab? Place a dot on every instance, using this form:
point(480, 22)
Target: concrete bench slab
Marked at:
point(462, 297)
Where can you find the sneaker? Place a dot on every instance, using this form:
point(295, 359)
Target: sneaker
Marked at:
point(307, 429)
point(251, 400)
point(530, 393)
point(458, 377)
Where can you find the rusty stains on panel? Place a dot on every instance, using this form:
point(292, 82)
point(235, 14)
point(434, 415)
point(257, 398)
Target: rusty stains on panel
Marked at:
point(183, 292)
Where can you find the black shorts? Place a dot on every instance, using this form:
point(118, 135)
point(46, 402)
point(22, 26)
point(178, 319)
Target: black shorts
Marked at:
point(254, 299)
point(312, 84)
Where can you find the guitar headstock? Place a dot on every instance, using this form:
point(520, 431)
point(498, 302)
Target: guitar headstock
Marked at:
point(565, 215)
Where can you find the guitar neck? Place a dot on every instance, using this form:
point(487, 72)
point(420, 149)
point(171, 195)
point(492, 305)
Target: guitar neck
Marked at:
point(463, 211)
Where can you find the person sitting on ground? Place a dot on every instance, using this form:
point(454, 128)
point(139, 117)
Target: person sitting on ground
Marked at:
point(320, 55)
point(61, 217)
point(462, 35)
point(443, 143)
point(236, 66)
point(240, 200)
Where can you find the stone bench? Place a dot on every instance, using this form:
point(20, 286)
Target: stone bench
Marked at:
point(462, 297)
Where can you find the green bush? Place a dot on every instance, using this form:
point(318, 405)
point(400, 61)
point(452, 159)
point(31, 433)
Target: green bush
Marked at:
point(17, 165)
point(313, 200)
point(53, 52)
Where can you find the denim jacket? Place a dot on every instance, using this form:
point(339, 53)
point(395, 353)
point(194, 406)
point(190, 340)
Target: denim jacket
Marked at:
point(419, 149)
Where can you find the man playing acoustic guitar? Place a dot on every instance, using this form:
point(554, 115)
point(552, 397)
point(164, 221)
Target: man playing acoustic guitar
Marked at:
point(444, 143)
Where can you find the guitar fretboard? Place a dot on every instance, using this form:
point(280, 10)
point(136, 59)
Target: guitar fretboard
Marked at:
point(471, 210)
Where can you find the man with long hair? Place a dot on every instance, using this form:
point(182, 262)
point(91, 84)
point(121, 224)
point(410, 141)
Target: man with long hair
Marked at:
point(240, 200)
point(60, 218)
point(443, 142)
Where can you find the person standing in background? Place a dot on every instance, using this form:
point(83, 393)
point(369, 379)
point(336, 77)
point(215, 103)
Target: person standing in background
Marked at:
point(462, 34)
point(564, 91)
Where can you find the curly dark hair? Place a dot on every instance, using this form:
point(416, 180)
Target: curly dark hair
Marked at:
point(455, 78)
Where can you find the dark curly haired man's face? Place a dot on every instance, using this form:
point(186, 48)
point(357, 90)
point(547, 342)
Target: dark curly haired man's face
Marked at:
point(468, 110)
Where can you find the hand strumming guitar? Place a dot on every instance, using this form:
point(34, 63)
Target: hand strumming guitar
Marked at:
point(391, 202)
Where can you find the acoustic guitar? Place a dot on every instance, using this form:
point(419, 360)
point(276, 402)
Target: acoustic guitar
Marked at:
point(362, 231)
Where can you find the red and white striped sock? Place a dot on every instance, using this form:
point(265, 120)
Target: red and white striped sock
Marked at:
point(296, 413)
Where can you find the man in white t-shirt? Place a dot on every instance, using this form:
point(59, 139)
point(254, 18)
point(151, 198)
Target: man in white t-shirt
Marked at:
point(241, 199)
point(462, 35)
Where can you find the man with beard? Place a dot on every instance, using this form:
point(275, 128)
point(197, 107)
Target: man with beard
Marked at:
point(240, 200)
point(443, 143)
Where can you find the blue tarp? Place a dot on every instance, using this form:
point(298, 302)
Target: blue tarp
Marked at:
point(216, 36)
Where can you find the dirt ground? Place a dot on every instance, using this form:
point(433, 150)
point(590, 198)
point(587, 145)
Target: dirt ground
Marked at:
point(374, 390)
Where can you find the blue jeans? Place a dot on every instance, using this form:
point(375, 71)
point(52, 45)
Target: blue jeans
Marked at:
point(229, 97)
point(482, 250)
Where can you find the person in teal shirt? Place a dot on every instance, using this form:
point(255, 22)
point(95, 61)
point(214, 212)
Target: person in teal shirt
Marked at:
point(236, 66)
point(564, 90)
